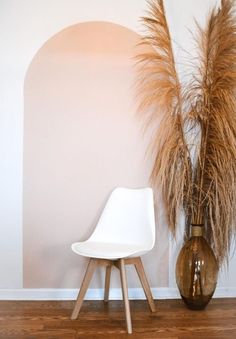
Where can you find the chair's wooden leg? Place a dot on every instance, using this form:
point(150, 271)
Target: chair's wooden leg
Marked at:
point(107, 283)
point(142, 276)
point(125, 295)
point(87, 278)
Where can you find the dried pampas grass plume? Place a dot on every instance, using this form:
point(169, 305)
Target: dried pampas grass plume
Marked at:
point(161, 98)
point(205, 189)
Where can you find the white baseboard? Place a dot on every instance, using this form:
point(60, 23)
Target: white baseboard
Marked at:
point(97, 294)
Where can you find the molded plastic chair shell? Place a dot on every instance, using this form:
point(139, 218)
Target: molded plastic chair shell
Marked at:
point(126, 227)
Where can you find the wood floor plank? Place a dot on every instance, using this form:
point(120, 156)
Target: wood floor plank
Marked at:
point(172, 320)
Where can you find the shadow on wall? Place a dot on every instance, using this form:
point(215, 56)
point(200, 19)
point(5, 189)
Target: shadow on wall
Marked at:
point(81, 140)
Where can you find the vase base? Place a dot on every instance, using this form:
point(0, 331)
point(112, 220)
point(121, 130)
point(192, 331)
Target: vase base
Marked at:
point(197, 304)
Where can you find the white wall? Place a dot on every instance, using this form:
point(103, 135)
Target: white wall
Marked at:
point(25, 25)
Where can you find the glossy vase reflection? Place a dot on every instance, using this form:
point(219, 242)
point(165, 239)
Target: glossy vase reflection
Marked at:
point(196, 271)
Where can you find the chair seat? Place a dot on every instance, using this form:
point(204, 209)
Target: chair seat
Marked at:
point(105, 250)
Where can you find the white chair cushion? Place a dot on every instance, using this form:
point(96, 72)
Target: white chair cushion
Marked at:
point(105, 250)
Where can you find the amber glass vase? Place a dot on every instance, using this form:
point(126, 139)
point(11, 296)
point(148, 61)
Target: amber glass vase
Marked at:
point(196, 270)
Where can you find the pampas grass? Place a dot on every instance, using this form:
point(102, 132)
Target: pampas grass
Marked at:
point(199, 180)
point(161, 97)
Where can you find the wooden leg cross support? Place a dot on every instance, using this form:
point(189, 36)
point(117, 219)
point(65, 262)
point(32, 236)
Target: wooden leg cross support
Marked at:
point(120, 264)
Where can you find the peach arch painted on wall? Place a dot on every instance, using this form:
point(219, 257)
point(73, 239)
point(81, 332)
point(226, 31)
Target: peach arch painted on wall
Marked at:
point(82, 138)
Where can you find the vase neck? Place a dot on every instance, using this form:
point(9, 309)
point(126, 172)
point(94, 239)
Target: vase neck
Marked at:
point(197, 230)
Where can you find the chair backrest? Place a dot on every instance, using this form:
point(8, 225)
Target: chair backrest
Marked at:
point(128, 217)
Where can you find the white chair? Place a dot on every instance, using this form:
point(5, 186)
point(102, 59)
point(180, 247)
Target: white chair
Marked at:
point(125, 231)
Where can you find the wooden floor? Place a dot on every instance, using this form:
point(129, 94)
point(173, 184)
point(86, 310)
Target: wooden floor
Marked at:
point(51, 320)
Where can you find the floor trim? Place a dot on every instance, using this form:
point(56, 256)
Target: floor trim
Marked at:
point(97, 294)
